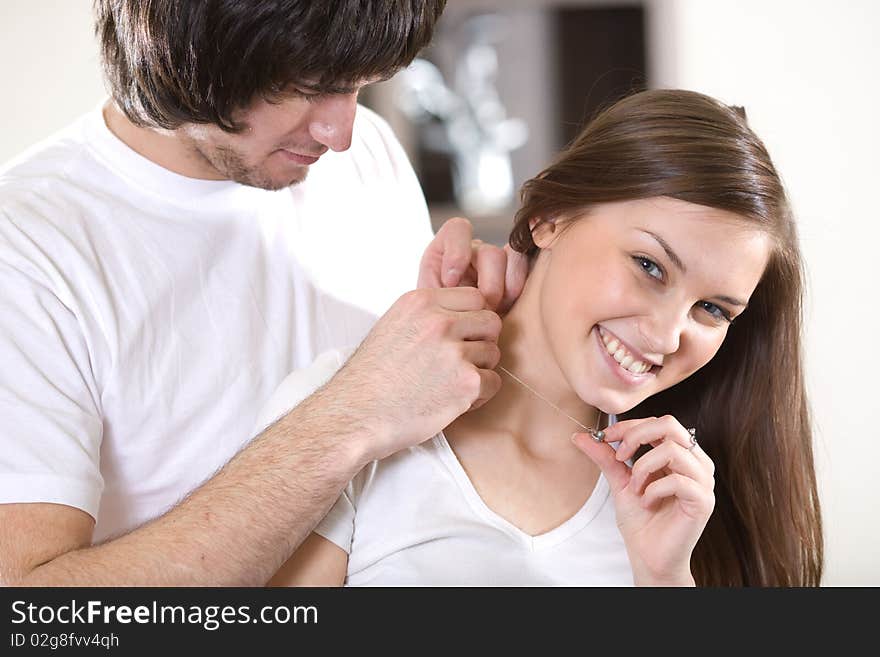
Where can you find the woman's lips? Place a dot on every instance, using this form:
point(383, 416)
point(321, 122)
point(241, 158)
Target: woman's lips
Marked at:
point(625, 376)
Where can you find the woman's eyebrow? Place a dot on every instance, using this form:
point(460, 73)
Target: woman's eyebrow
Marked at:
point(669, 252)
point(672, 255)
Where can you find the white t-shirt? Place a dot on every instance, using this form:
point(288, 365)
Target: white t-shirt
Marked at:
point(145, 317)
point(415, 519)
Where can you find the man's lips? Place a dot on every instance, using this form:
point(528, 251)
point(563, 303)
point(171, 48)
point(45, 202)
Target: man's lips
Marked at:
point(299, 159)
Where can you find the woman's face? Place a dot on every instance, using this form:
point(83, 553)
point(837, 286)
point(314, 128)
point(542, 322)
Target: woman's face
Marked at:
point(636, 296)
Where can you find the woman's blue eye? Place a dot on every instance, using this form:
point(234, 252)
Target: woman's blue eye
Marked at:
point(655, 271)
point(715, 311)
point(648, 266)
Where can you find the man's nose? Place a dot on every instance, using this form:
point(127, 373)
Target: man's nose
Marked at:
point(332, 120)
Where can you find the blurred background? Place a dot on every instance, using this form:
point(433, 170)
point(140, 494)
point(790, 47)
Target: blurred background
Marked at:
point(506, 83)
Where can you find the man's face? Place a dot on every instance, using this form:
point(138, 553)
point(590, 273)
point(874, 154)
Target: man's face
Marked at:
point(280, 140)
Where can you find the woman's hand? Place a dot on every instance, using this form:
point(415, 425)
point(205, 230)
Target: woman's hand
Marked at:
point(664, 502)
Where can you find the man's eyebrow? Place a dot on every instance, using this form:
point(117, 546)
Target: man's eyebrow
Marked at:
point(672, 255)
point(345, 89)
point(326, 90)
point(669, 252)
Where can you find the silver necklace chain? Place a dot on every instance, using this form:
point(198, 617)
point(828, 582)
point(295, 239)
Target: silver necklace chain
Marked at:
point(597, 435)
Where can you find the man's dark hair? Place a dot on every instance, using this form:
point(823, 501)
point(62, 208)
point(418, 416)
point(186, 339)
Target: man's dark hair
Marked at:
point(170, 62)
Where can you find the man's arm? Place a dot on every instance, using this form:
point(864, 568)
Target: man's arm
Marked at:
point(427, 361)
point(237, 529)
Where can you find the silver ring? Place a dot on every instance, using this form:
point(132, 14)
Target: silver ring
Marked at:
point(693, 432)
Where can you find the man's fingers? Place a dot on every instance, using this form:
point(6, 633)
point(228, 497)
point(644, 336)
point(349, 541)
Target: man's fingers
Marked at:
point(490, 384)
point(455, 259)
point(476, 325)
point(459, 299)
point(429, 267)
point(516, 272)
point(490, 262)
point(447, 256)
point(456, 236)
point(482, 353)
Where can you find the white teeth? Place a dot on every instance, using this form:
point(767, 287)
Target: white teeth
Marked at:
point(636, 367)
point(622, 356)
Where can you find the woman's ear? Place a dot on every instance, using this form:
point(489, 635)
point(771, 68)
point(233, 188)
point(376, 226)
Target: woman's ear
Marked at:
point(544, 231)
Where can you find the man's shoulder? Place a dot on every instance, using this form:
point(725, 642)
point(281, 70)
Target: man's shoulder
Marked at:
point(372, 137)
point(368, 124)
point(46, 166)
point(50, 153)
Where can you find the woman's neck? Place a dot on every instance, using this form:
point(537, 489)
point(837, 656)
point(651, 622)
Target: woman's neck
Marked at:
point(518, 413)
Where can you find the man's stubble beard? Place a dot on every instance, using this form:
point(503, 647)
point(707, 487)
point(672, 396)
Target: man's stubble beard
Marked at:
point(229, 163)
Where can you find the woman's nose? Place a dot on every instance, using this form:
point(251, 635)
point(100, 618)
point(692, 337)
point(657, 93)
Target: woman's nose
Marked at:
point(662, 330)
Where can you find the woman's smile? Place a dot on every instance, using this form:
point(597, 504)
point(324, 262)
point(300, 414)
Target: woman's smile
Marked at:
point(621, 361)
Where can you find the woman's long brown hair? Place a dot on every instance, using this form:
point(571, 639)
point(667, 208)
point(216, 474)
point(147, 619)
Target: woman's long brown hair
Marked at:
point(748, 403)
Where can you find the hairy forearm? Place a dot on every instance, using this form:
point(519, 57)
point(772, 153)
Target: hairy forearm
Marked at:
point(239, 527)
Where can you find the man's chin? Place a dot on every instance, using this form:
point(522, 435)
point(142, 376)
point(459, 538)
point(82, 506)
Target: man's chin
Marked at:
point(285, 185)
point(273, 183)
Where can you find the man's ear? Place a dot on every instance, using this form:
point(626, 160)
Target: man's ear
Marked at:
point(544, 231)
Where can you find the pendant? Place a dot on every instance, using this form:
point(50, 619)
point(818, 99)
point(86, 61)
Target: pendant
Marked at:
point(598, 436)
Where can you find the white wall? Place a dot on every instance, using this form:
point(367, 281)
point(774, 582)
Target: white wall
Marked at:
point(807, 73)
point(49, 70)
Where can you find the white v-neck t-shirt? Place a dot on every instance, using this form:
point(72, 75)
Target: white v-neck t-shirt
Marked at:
point(415, 519)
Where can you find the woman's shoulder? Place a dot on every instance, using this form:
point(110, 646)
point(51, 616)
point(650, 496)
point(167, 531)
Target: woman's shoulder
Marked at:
point(300, 384)
point(420, 471)
point(427, 454)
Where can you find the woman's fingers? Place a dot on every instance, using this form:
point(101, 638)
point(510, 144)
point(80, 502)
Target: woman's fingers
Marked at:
point(602, 455)
point(695, 499)
point(672, 457)
point(650, 431)
point(632, 434)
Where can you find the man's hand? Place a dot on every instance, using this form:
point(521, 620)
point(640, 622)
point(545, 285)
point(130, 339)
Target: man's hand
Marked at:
point(429, 359)
point(454, 258)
